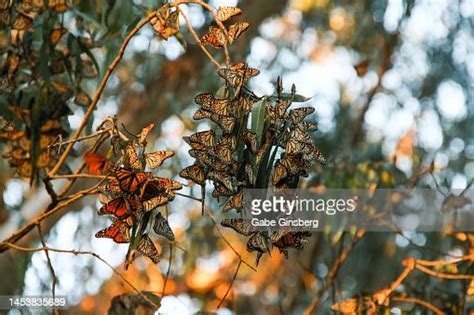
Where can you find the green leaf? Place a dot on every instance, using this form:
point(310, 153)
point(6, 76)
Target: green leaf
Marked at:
point(297, 97)
point(258, 119)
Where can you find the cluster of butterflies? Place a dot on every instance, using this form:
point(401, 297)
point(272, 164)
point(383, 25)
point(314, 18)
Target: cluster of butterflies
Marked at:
point(263, 242)
point(292, 132)
point(19, 145)
point(133, 197)
point(234, 157)
point(216, 37)
point(166, 22)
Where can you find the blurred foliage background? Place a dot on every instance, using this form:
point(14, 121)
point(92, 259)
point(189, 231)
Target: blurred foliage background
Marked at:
point(392, 84)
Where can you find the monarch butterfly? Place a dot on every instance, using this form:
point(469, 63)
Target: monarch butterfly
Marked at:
point(56, 34)
point(209, 103)
point(223, 178)
point(281, 107)
point(147, 248)
point(130, 180)
point(162, 227)
point(122, 207)
point(227, 123)
point(314, 155)
point(194, 173)
point(223, 152)
point(235, 30)
point(154, 195)
point(250, 140)
point(250, 173)
point(141, 138)
point(280, 174)
point(111, 189)
point(118, 231)
point(95, 163)
point(225, 13)
point(229, 140)
point(234, 202)
point(259, 243)
point(215, 37)
point(241, 226)
point(155, 159)
point(307, 126)
point(245, 103)
point(163, 184)
point(206, 138)
point(298, 114)
point(132, 158)
point(221, 190)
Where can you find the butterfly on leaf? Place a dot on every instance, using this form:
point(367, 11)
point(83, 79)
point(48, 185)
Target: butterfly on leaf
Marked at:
point(162, 227)
point(250, 140)
point(118, 231)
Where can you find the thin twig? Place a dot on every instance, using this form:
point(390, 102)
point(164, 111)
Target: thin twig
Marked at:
point(216, 19)
point(19, 234)
point(81, 175)
point(333, 272)
point(99, 91)
point(426, 304)
point(196, 37)
point(50, 265)
point(188, 196)
point(226, 241)
point(170, 260)
point(442, 275)
point(77, 252)
point(97, 134)
point(231, 284)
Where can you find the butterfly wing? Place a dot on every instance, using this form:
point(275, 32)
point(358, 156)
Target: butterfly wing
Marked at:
point(118, 231)
point(147, 248)
point(162, 227)
point(155, 159)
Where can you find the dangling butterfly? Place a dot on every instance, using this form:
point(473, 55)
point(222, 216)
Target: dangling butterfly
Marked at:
point(250, 140)
point(241, 226)
point(234, 202)
point(147, 248)
point(118, 231)
point(162, 227)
